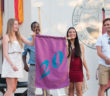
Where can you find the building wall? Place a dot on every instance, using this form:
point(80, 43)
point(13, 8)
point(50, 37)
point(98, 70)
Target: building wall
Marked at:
point(25, 29)
point(56, 17)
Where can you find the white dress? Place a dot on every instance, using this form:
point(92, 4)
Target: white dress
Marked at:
point(15, 55)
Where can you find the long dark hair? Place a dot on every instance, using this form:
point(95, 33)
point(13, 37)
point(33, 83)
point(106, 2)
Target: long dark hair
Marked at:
point(76, 44)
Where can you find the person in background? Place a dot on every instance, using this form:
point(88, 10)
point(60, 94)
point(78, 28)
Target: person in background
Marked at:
point(103, 51)
point(31, 70)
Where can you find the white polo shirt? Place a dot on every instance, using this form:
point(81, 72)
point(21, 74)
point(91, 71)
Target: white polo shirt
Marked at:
point(103, 42)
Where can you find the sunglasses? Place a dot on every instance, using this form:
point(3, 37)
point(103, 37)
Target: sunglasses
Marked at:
point(109, 41)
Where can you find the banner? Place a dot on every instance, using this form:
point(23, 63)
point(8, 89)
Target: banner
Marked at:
point(103, 14)
point(1, 31)
point(2, 5)
point(18, 4)
point(51, 62)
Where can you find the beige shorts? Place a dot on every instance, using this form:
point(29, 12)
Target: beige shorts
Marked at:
point(104, 74)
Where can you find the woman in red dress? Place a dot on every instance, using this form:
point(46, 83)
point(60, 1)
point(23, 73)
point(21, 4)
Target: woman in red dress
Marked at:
point(76, 61)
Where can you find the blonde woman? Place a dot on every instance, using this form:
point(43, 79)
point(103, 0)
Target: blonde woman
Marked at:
point(76, 63)
point(12, 50)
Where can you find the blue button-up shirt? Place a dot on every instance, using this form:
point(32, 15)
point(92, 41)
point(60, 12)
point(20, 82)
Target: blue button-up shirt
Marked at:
point(31, 50)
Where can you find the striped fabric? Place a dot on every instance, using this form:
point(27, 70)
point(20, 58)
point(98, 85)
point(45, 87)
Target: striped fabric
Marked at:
point(2, 5)
point(103, 14)
point(1, 32)
point(18, 4)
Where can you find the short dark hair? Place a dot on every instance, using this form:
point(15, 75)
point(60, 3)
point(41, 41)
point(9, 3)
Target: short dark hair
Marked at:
point(32, 24)
point(106, 19)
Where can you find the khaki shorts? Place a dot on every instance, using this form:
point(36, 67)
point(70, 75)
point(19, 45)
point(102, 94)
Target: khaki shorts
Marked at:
point(104, 74)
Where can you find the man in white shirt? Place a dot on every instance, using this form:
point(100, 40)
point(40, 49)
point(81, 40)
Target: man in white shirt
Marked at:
point(103, 51)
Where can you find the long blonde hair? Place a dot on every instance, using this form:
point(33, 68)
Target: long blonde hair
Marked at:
point(9, 31)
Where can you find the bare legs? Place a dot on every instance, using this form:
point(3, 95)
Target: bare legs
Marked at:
point(71, 89)
point(78, 87)
point(102, 89)
point(11, 86)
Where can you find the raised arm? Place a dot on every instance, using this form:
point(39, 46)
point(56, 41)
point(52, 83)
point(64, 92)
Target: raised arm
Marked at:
point(30, 43)
point(67, 47)
point(5, 52)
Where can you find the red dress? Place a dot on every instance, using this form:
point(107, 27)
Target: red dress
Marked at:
point(76, 69)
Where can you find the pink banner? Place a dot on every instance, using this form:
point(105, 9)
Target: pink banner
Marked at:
point(51, 62)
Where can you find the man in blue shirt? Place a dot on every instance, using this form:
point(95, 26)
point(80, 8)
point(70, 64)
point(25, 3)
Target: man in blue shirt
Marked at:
point(31, 50)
